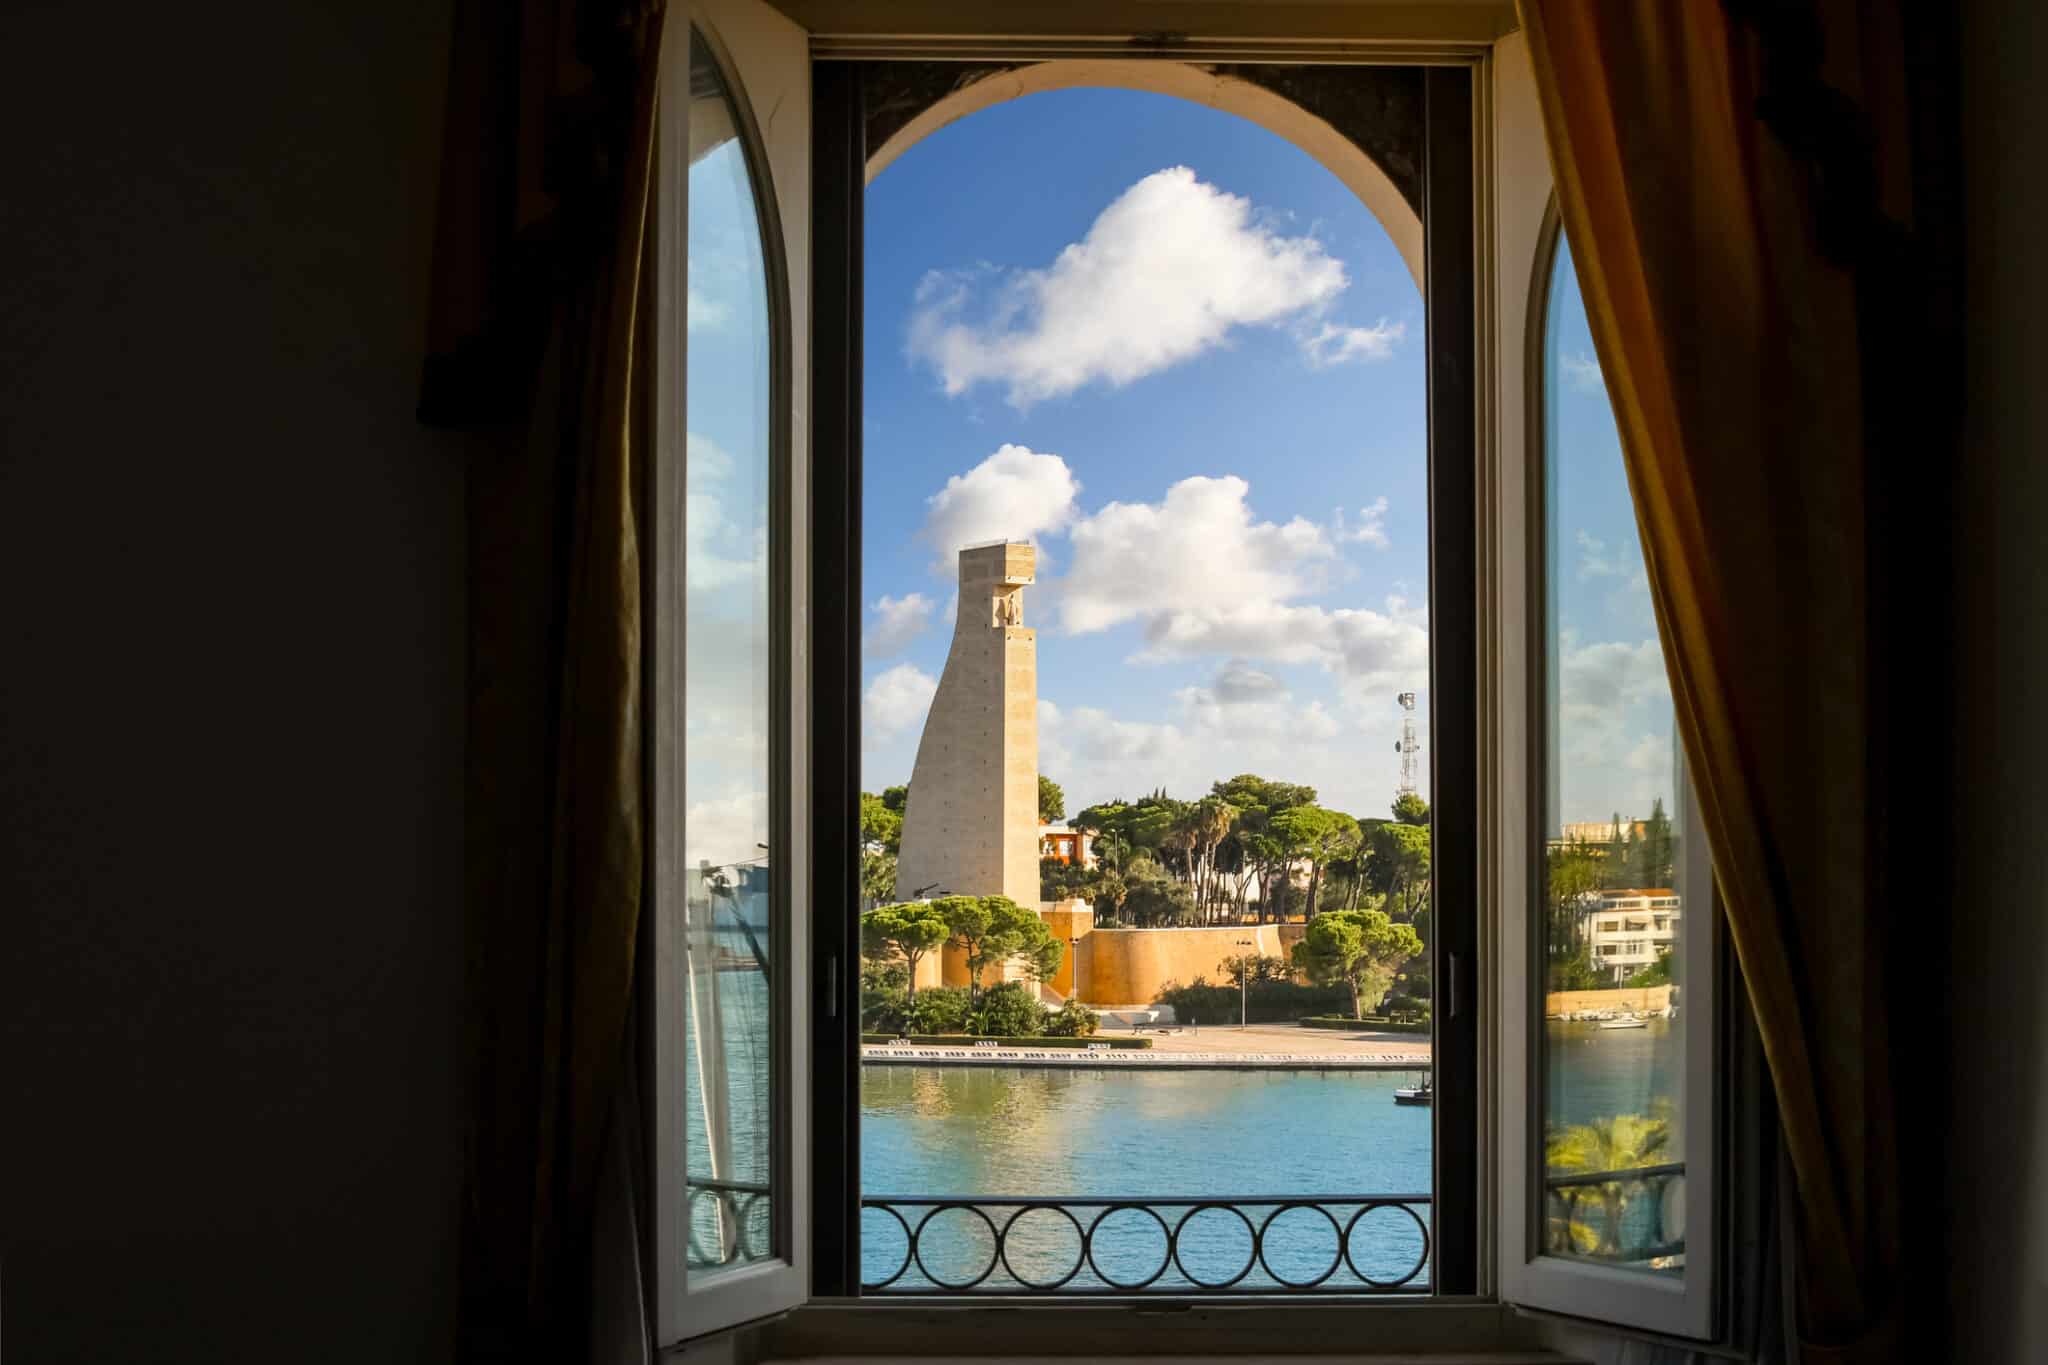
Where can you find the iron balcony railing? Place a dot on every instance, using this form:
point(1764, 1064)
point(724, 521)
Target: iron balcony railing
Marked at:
point(991, 1245)
point(1293, 1244)
point(728, 1222)
point(1634, 1215)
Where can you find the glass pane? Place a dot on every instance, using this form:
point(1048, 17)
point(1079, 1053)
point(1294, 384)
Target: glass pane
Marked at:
point(734, 936)
point(1614, 970)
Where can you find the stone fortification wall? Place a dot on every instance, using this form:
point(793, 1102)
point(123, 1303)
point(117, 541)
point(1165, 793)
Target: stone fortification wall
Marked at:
point(1131, 966)
point(1124, 966)
point(1641, 999)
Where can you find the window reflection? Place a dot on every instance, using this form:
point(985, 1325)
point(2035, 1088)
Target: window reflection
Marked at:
point(732, 938)
point(1612, 903)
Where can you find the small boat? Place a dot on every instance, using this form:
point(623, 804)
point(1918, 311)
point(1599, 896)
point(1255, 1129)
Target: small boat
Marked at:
point(1623, 1023)
point(1414, 1094)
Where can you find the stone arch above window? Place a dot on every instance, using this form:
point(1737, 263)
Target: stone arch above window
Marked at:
point(1363, 123)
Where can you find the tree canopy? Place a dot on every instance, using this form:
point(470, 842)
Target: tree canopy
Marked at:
point(905, 931)
point(1624, 1142)
point(1358, 948)
point(990, 930)
point(881, 836)
point(1317, 834)
point(1398, 866)
point(1052, 801)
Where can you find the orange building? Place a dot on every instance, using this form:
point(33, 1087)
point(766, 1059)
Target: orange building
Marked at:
point(1069, 845)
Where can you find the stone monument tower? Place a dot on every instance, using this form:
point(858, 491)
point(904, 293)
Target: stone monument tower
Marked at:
point(971, 826)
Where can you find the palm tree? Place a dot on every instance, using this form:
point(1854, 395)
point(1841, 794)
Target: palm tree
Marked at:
point(1208, 825)
point(1626, 1142)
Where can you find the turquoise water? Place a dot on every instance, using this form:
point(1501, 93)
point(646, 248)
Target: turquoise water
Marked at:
point(985, 1133)
point(1597, 1073)
point(990, 1132)
point(1034, 1133)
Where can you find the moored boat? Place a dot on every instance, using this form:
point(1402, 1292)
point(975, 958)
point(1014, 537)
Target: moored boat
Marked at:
point(1414, 1094)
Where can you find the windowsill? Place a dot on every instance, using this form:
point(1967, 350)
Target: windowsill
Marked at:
point(1441, 1332)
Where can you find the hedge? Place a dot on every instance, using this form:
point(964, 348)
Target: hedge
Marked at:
point(1381, 1025)
point(969, 1040)
point(1270, 1002)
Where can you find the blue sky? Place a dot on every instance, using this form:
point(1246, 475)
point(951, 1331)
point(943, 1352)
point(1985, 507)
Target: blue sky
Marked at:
point(1177, 355)
point(1614, 725)
point(1184, 361)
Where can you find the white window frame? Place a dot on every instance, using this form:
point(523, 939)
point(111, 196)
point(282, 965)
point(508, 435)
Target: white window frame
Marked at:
point(766, 62)
point(1524, 243)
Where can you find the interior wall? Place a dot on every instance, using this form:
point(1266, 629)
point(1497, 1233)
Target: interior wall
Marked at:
point(231, 703)
point(1997, 1118)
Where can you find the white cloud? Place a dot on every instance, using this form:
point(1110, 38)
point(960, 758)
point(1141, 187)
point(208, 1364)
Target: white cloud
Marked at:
point(1276, 718)
point(1163, 274)
point(1593, 559)
point(898, 621)
point(897, 700)
point(705, 462)
point(1196, 549)
point(726, 830)
point(1014, 494)
point(1334, 344)
point(1097, 755)
point(1372, 525)
point(1372, 651)
point(1582, 372)
point(1237, 682)
point(1614, 729)
point(1611, 675)
point(1203, 577)
point(721, 550)
point(706, 314)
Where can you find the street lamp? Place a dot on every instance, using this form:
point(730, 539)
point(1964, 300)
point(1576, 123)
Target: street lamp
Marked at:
point(1074, 947)
point(1244, 974)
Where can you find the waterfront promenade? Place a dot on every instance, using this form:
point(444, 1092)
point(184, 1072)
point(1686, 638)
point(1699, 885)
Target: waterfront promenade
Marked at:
point(1216, 1047)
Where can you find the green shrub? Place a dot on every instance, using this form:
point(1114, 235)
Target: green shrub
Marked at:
point(1403, 1007)
point(937, 1009)
point(1200, 1002)
point(883, 976)
point(1010, 1010)
point(882, 1009)
point(1072, 1020)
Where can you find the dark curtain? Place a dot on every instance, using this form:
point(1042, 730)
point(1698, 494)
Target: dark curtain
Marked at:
point(1736, 183)
point(537, 342)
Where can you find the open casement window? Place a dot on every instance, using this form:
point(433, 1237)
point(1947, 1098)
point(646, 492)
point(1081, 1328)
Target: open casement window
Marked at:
point(753, 981)
point(1610, 1018)
point(729, 1063)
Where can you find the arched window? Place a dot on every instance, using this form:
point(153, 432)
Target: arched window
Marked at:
point(1619, 1135)
point(729, 856)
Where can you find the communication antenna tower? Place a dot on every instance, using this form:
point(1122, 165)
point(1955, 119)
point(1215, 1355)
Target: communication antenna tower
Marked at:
point(1407, 746)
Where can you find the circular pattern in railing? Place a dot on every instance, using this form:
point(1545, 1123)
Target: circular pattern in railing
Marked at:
point(1279, 1245)
point(1621, 1216)
point(732, 1221)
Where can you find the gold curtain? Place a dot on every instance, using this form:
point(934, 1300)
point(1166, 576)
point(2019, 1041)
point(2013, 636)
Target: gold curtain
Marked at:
point(1717, 262)
point(538, 343)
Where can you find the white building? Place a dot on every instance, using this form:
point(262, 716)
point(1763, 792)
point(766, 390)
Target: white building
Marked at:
point(1632, 928)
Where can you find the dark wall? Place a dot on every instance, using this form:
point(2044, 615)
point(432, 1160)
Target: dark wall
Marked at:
point(231, 672)
point(1998, 1122)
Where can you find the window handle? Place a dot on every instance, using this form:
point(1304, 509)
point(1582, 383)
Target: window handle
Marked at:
point(832, 986)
